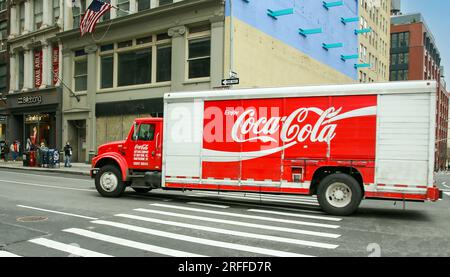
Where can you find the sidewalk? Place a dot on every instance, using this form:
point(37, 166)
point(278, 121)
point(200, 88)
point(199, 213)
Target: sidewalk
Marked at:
point(77, 168)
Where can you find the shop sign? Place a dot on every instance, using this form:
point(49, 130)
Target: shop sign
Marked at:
point(29, 100)
point(55, 64)
point(3, 119)
point(34, 118)
point(37, 68)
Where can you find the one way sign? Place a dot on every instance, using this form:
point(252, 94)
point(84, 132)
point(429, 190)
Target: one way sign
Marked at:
point(228, 82)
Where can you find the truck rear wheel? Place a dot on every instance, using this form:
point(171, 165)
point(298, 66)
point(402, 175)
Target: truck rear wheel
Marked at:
point(108, 181)
point(339, 194)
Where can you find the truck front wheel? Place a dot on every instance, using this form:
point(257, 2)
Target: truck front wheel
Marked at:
point(339, 194)
point(108, 181)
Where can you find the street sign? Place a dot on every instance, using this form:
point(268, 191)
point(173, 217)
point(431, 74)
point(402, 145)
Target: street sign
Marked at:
point(227, 82)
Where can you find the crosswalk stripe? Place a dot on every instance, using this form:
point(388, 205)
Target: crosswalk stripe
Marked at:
point(266, 200)
point(306, 223)
point(296, 215)
point(231, 232)
point(208, 242)
point(208, 205)
point(447, 193)
point(130, 243)
point(6, 254)
point(243, 224)
point(270, 196)
point(56, 212)
point(67, 248)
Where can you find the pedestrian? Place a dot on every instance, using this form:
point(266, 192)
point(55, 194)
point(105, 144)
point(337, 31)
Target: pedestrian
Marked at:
point(67, 155)
point(5, 151)
point(15, 146)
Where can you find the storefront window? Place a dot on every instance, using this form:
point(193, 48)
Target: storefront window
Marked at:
point(37, 129)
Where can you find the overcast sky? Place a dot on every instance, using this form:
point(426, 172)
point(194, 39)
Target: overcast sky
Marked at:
point(437, 17)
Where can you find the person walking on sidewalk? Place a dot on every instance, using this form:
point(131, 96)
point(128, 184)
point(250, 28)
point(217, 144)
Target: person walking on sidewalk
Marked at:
point(15, 146)
point(67, 155)
point(5, 151)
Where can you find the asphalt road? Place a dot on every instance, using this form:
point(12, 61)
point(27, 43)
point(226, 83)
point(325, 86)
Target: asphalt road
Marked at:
point(50, 215)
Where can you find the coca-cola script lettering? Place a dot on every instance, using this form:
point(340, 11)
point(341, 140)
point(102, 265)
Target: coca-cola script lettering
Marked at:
point(291, 128)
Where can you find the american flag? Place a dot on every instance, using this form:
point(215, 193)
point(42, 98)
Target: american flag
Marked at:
point(93, 13)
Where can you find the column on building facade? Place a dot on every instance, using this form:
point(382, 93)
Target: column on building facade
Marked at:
point(46, 64)
point(29, 17)
point(68, 18)
point(91, 131)
point(133, 6)
point(28, 69)
point(47, 12)
point(60, 63)
point(14, 21)
point(217, 50)
point(12, 69)
point(113, 12)
point(178, 35)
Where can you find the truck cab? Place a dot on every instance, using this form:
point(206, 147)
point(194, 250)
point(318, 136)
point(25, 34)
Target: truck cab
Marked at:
point(135, 162)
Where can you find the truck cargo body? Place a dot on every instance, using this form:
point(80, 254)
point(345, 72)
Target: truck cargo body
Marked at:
point(286, 140)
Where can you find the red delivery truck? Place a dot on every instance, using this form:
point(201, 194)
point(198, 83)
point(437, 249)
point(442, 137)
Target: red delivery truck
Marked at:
point(343, 143)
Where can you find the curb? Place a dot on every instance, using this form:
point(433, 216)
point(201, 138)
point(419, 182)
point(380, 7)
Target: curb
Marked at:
point(53, 170)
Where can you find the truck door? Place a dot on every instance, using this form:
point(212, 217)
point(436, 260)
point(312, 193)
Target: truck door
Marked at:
point(145, 150)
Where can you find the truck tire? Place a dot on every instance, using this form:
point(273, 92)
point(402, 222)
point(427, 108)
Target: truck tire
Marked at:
point(108, 181)
point(339, 194)
point(142, 190)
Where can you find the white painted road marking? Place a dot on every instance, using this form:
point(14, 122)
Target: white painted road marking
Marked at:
point(243, 224)
point(44, 186)
point(57, 212)
point(296, 215)
point(208, 205)
point(231, 232)
point(447, 193)
point(130, 243)
point(306, 223)
point(208, 242)
point(67, 248)
point(5, 254)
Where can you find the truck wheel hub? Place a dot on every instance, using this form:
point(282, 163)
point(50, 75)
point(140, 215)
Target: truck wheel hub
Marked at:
point(108, 181)
point(339, 195)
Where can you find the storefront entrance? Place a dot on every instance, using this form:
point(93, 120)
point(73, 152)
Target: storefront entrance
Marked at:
point(77, 138)
point(39, 129)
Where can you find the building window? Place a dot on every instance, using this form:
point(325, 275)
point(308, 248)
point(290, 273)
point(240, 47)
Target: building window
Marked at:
point(56, 11)
point(165, 2)
point(164, 63)
point(134, 67)
point(106, 15)
point(2, 5)
point(3, 78)
point(143, 5)
point(107, 71)
point(3, 34)
point(80, 71)
point(38, 13)
point(199, 47)
point(22, 17)
point(140, 61)
point(123, 5)
point(77, 13)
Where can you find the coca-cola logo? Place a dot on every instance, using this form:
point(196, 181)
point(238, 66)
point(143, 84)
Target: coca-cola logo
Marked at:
point(293, 127)
point(141, 147)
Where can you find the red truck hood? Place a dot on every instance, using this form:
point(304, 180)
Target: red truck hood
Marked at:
point(110, 147)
